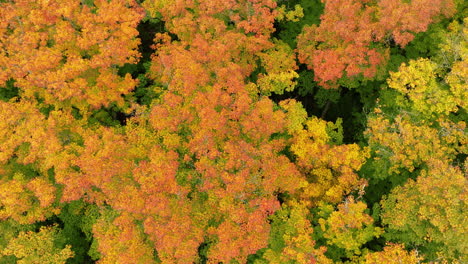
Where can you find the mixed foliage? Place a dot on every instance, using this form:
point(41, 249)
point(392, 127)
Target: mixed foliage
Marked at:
point(233, 131)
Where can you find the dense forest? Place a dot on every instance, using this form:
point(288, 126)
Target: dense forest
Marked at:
point(233, 131)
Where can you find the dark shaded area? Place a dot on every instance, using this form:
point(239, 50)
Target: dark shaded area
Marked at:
point(348, 106)
point(203, 252)
point(109, 116)
point(69, 234)
point(9, 91)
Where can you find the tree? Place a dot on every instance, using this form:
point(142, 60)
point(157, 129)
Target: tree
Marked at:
point(349, 227)
point(316, 144)
point(38, 247)
point(67, 53)
point(213, 124)
point(428, 212)
point(421, 116)
point(418, 136)
point(120, 240)
point(393, 253)
point(213, 165)
point(352, 38)
point(291, 237)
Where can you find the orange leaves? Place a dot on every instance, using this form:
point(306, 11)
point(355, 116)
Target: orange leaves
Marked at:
point(339, 47)
point(231, 166)
point(401, 19)
point(104, 157)
point(344, 44)
point(51, 44)
point(238, 237)
point(262, 113)
point(175, 235)
point(255, 16)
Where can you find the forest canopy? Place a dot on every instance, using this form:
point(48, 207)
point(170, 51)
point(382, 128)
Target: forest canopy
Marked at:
point(233, 131)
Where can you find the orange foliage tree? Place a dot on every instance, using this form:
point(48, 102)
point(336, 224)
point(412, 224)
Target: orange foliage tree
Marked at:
point(353, 36)
point(212, 127)
point(67, 52)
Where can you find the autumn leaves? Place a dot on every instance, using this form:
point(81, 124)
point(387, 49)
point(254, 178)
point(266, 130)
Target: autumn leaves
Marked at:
point(212, 169)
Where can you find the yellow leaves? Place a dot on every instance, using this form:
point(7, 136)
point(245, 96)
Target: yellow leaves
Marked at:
point(120, 240)
point(11, 193)
point(349, 227)
point(18, 199)
point(431, 209)
point(315, 132)
point(418, 81)
point(418, 119)
point(456, 48)
point(279, 63)
point(408, 145)
point(393, 254)
point(156, 6)
point(329, 168)
point(295, 231)
point(292, 15)
point(295, 114)
point(38, 248)
point(457, 79)
point(21, 122)
point(277, 82)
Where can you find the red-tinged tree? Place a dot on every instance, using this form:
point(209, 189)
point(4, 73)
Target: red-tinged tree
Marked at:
point(203, 158)
point(352, 38)
point(233, 179)
point(401, 20)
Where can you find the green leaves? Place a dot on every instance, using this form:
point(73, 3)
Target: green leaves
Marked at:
point(38, 247)
point(429, 212)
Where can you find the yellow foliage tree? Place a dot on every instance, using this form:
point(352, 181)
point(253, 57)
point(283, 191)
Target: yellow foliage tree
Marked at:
point(349, 227)
point(393, 254)
point(329, 166)
point(38, 248)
